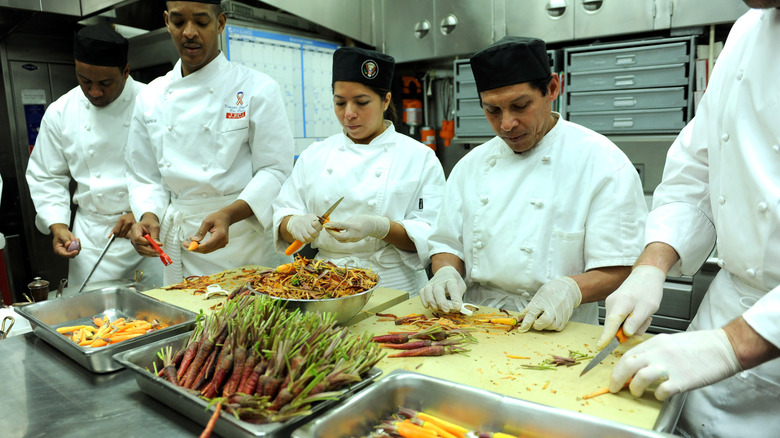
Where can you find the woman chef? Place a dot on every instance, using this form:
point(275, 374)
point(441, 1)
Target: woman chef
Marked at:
point(392, 185)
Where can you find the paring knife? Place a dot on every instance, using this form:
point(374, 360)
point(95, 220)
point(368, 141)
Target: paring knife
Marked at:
point(295, 246)
point(619, 338)
point(102, 253)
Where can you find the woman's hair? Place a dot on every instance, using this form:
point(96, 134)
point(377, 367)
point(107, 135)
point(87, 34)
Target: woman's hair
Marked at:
point(390, 113)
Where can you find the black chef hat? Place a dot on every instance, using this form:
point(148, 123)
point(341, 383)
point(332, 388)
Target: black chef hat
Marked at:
point(100, 44)
point(511, 60)
point(367, 67)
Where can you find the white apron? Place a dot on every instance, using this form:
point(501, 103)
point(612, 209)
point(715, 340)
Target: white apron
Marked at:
point(751, 394)
point(248, 244)
point(121, 260)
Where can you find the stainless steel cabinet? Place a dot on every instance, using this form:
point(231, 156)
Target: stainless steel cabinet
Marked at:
point(415, 30)
point(597, 18)
point(702, 12)
point(549, 20)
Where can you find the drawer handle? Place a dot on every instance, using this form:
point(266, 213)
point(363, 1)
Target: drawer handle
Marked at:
point(421, 29)
point(622, 122)
point(625, 59)
point(624, 101)
point(624, 81)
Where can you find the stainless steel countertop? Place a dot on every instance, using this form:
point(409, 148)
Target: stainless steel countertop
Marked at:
point(45, 394)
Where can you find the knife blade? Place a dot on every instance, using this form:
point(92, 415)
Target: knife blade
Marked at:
point(619, 338)
point(295, 246)
point(102, 253)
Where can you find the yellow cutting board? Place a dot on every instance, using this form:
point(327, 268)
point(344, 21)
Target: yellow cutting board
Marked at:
point(381, 299)
point(487, 367)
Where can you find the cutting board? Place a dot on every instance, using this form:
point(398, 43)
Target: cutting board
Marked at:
point(487, 366)
point(381, 299)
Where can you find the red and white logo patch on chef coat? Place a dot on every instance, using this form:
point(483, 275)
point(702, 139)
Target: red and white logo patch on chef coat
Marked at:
point(237, 111)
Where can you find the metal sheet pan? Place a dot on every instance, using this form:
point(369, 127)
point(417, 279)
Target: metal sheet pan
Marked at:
point(115, 302)
point(470, 407)
point(139, 360)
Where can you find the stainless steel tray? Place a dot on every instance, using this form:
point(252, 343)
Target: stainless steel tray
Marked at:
point(46, 316)
point(140, 360)
point(470, 407)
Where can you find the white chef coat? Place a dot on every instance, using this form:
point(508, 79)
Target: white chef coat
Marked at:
point(571, 204)
point(80, 141)
point(2, 237)
point(393, 176)
point(721, 179)
point(198, 143)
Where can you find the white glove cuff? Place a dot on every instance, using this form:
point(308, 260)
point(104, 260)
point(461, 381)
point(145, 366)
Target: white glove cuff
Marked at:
point(381, 227)
point(575, 287)
point(650, 271)
point(726, 351)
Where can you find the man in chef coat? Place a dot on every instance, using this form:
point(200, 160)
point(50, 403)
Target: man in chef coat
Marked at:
point(720, 185)
point(544, 218)
point(209, 149)
point(81, 135)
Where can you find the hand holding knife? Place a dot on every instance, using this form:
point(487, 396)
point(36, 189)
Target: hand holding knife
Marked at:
point(619, 338)
point(295, 246)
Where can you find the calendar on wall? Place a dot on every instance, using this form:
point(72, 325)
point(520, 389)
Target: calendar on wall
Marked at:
point(301, 66)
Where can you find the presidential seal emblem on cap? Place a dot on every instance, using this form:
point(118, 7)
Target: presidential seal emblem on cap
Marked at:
point(370, 69)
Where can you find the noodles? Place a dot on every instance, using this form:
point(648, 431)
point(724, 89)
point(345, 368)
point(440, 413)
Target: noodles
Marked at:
point(312, 280)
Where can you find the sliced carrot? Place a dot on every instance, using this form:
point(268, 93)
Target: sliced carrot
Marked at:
point(512, 356)
point(193, 245)
point(602, 391)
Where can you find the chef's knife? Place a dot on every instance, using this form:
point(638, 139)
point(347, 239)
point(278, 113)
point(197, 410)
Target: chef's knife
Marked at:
point(102, 253)
point(619, 338)
point(295, 246)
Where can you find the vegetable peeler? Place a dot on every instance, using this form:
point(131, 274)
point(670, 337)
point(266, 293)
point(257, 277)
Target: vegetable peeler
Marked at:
point(166, 259)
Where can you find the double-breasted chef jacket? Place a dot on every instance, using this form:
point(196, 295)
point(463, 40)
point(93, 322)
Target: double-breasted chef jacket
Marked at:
point(393, 176)
point(571, 204)
point(198, 143)
point(80, 141)
point(722, 183)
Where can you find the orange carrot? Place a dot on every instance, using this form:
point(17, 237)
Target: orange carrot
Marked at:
point(454, 429)
point(115, 339)
point(409, 430)
point(512, 356)
point(212, 421)
point(501, 321)
point(98, 342)
point(193, 245)
point(438, 430)
point(602, 391)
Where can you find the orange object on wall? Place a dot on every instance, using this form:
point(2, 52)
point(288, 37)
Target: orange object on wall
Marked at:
point(447, 132)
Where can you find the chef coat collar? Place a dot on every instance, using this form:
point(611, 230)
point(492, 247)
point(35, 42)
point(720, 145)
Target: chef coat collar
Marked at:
point(212, 68)
point(385, 137)
point(549, 139)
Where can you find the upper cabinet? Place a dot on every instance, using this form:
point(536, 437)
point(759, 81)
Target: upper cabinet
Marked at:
point(598, 18)
point(353, 18)
point(415, 30)
point(702, 12)
point(550, 20)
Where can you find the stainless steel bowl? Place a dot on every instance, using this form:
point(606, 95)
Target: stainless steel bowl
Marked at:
point(344, 308)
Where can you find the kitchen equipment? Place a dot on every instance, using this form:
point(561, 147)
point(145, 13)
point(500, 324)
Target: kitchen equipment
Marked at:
point(166, 259)
point(116, 302)
point(63, 283)
point(100, 257)
point(4, 330)
point(139, 361)
point(619, 338)
point(295, 246)
point(344, 307)
point(473, 408)
point(39, 290)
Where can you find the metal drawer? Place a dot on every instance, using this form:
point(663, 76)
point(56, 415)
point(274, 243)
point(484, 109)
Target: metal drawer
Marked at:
point(629, 57)
point(676, 302)
point(651, 120)
point(473, 126)
point(469, 107)
point(463, 71)
point(638, 77)
point(466, 90)
point(627, 99)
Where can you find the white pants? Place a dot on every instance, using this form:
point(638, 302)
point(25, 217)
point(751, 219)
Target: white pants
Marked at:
point(249, 243)
point(120, 262)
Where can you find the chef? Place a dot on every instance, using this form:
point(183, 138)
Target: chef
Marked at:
point(392, 184)
point(210, 147)
point(542, 218)
point(720, 185)
point(80, 137)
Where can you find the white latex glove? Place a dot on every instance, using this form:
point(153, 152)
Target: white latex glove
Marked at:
point(359, 227)
point(551, 307)
point(681, 362)
point(638, 296)
point(446, 282)
point(304, 227)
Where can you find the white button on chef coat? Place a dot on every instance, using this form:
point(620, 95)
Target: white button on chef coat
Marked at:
point(484, 200)
point(127, 124)
point(100, 195)
point(725, 137)
point(478, 244)
point(170, 128)
point(206, 127)
point(750, 272)
point(167, 164)
point(721, 199)
point(776, 148)
point(546, 159)
point(721, 263)
point(329, 170)
point(378, 173)
point(762, 207)
point(204, 166)
point(91, 152)
point(97, 175)
point(740, 74)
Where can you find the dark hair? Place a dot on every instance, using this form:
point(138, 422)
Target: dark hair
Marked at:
point(218, 9)
point(390, 113)
point(540, 84)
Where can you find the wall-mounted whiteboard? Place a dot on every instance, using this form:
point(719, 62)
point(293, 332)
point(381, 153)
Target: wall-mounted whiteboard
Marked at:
point(301, 66)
